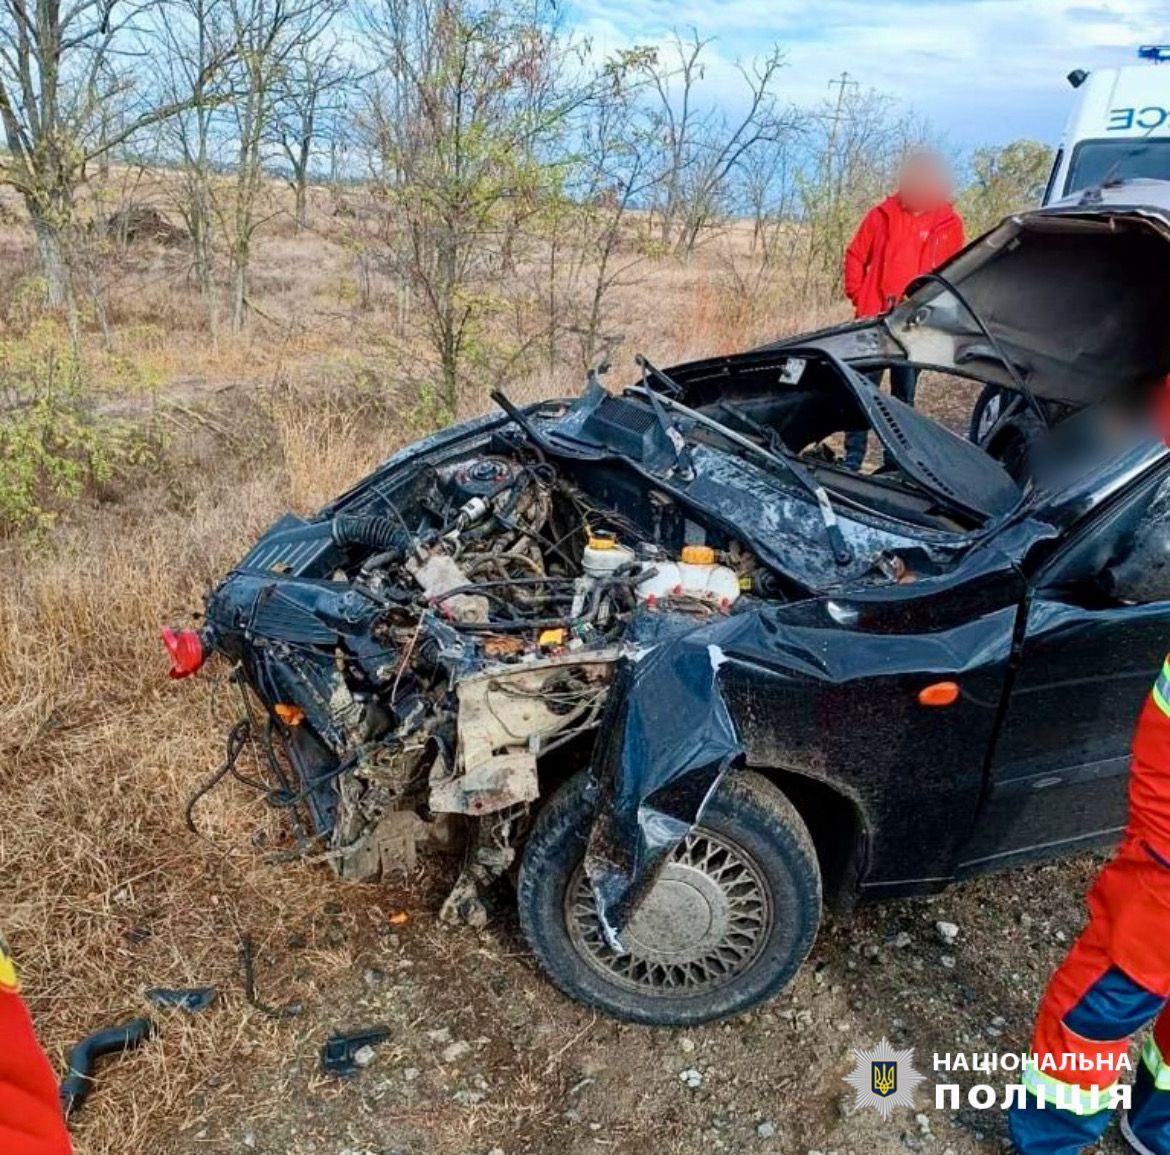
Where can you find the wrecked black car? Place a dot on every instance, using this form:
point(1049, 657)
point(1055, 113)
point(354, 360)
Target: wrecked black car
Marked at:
point(659, 649)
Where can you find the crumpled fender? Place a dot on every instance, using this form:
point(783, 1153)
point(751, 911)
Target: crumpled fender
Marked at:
point(668, 738)
point(806, 686)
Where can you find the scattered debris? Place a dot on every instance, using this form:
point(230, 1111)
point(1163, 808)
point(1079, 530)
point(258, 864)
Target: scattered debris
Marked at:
point(248, 958)
point(78, 1083)
point(766, 1129)
point(184, 998)
point(364, 1056)
point(691, 1078)
point(345, 1055)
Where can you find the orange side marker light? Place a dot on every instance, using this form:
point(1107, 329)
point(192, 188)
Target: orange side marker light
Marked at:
point(939, 694)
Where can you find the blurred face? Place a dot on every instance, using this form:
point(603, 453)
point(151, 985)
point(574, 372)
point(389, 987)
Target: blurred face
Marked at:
point(924, 182)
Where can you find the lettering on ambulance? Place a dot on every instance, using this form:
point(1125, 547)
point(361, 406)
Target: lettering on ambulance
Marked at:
point(1152, 116)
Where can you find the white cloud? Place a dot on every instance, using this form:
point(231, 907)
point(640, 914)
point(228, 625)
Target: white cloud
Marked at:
point(980, 70)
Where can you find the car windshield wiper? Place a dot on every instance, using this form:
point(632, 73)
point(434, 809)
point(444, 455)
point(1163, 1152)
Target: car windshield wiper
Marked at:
point(678, 443)
point(842, 554)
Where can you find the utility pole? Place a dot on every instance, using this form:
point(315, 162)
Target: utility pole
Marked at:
point(842, 84)
point(833, 179)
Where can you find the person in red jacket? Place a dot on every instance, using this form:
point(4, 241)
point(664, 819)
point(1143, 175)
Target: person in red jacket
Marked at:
point(908, 234)
point(1115, 979)
point(31, 1122)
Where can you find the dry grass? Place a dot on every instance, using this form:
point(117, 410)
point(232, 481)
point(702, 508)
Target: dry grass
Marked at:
point(100, 750)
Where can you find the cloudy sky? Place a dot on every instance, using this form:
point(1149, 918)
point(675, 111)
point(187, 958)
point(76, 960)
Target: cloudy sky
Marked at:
point(981, 71)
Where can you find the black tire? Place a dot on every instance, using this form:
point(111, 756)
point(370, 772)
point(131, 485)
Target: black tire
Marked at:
point(761, 833)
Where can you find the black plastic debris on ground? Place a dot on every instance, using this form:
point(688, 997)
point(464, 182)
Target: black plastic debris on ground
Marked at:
point(78, 1083)
point(338, 1053)
point(190, 999)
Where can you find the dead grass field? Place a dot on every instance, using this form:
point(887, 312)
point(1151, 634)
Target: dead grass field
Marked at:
point(106, 893)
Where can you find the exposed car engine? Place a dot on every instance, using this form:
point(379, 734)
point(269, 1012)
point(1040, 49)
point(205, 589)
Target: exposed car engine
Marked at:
point(426, 647)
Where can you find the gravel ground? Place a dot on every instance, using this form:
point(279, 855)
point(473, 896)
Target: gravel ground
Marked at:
point(484, 1056)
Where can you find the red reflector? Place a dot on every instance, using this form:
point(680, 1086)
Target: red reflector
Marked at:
point(186, 650)
point(939, 694)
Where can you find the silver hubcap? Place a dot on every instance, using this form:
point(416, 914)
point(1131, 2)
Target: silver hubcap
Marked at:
point(989, 416)
point(705, 921)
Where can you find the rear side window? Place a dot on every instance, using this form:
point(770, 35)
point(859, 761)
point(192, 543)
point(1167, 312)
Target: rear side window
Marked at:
point(1096, 161)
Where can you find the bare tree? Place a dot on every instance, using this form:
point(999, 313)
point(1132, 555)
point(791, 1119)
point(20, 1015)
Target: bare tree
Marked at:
point(310, 93)
point(701, 146)
point(767, 187)
point(68, 97)
point(267, 35)
point(612, 173)
point(464, 102)
point(197, 34)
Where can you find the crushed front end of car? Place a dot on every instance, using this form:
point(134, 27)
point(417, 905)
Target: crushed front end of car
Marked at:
point(441, 644)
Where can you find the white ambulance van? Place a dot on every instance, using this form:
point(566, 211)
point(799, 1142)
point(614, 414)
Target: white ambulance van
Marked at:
point(1119, 127)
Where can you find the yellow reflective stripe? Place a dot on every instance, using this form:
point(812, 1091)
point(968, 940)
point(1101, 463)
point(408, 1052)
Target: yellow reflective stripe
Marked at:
point(9, 983)
point(1159, 1071)
point(1161, 690)
point(1072, 1098)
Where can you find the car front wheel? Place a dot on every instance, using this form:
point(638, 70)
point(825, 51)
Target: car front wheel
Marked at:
point(731, 917)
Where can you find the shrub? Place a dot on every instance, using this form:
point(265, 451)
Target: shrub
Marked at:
point(54, 443)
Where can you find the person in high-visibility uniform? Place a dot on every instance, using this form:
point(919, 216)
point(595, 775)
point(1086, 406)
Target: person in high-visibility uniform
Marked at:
point(31, 1122)
point(1114, 981)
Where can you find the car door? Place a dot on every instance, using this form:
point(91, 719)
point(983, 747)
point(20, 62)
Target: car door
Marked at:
point(1089, 653)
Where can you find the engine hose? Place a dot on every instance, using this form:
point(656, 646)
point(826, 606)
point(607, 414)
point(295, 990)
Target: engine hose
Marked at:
point(379, 533)
point(79, 1082)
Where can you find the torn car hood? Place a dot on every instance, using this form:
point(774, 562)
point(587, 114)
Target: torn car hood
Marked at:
point(1074, 294)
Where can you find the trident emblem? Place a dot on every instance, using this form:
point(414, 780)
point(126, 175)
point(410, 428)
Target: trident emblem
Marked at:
point(884, 1078)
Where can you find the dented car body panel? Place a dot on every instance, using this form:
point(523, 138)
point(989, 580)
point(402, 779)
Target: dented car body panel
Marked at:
point(677, 581)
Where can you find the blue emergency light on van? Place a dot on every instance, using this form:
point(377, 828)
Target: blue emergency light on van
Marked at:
point(1158, 53)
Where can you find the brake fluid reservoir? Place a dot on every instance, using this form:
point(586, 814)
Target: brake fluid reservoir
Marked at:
point(604, 555)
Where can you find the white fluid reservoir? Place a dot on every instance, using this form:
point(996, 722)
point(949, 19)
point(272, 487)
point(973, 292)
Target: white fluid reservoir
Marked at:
point(696, 575)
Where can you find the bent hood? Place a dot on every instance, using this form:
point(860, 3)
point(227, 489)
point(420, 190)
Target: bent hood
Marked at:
point(1074, 293)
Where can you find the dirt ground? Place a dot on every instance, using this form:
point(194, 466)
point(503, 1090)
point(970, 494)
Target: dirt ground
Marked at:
point(107, 894)
point(484, 1055)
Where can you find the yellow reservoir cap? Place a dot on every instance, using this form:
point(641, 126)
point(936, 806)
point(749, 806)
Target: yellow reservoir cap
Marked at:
point(698, 555)
point(602, 543)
